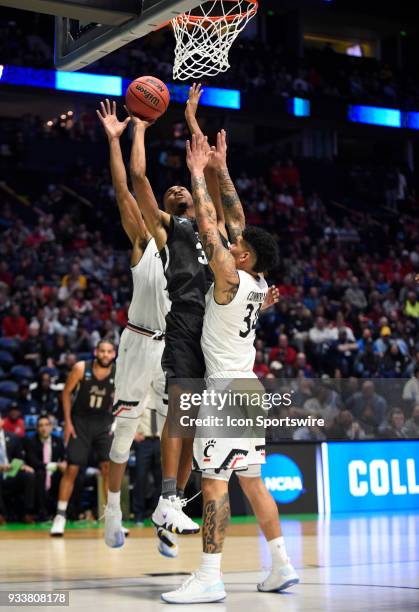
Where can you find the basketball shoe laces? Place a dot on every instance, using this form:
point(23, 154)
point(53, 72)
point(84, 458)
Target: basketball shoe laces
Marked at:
point(178, 503)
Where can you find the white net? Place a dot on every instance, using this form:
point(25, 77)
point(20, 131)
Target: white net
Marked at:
point(204, 37)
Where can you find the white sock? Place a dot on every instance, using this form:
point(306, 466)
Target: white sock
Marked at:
point(210, 568)
point(114, 499)
point(62, 507)
point(278, 551)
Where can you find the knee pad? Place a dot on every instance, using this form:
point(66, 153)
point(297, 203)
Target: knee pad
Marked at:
point(125, 430)
point(253, 471)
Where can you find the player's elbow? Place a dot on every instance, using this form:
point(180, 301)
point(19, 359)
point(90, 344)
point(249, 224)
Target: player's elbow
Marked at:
point(138, 174)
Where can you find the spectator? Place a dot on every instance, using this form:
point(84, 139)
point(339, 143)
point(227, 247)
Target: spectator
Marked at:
point(13, 422)
point(325, 403)
point(368, 405)
point(411, 388)
point(345, 427)
point(46, 455)
point(34, 348)
point(15, 324)
point(355, 295)
point(16, 478)
point(283, 352)
point(342, 353)
point(396, 427)
point(45, 394)
point(411, 428)
point(260, 368)
point(411, 307)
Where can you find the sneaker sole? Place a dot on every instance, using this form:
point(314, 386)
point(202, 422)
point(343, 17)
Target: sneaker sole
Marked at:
point(283, 587)
point(174, 529)
point(118, 544)
point(166, 553)
point(56, 535)
point(208, 599)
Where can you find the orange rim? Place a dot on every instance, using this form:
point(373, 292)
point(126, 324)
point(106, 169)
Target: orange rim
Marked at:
point(252, 10)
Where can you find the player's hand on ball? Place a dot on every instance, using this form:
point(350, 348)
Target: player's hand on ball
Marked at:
point(195, 93)
point(107, 116)
point(69, 432)
point(198, 153)
point(137, 121)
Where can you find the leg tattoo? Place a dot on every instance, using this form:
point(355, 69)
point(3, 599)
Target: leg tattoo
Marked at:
point(215, 521)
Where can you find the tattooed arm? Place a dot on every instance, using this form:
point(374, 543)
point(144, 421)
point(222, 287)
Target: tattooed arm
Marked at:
point(232, 206)
point(210, 172)
point(219, 258)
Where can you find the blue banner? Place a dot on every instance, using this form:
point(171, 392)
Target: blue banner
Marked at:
point(371, 476)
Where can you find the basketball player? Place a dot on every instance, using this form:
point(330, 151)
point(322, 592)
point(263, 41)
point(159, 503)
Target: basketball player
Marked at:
point(188, 279)
point(232, 308)
point(139, 378)
point(87, 423)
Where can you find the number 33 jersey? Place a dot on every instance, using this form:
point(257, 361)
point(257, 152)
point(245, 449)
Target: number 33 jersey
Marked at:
point(229, 330)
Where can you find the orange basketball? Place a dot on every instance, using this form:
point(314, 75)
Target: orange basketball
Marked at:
point(147, 98)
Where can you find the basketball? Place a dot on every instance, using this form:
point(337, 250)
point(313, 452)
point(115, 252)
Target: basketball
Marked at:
point(147, 98)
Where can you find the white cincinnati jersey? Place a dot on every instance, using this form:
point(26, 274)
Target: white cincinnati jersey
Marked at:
point(150, 301)
point(229, 329)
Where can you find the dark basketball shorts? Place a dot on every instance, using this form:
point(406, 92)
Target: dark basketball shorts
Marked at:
point(182, 355)
point(182, 362)
point(93, 435)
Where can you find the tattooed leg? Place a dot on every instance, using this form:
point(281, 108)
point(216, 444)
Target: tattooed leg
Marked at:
point(216, 515)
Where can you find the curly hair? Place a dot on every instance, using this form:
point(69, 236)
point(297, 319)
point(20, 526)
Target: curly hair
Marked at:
point(265, 247)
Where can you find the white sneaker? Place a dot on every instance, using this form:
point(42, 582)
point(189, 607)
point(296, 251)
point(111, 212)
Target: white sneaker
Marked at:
point(167, 546)
point(169, 514)
point(114, 531)
point(279, 579)
point(125, 531)
point(58, 526)
point(194, 590)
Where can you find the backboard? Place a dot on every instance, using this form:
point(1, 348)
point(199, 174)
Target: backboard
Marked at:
point(86, 30)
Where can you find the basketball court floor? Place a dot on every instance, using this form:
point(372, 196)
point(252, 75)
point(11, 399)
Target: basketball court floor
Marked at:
point(362, 562)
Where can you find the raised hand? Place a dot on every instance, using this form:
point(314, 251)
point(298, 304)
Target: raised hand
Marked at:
point(272, 298)
point(107, 116)
point(195, 93)
point(219, 153)
point(198, 154)
point(137, 121)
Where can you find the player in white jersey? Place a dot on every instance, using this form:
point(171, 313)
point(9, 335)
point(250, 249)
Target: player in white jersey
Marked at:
point(139, 379)
point(233, 305)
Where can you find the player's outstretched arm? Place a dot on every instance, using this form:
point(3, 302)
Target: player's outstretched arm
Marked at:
point(219, 258)
point(132, 220)
point(233, 209)
point(156, 220)
point(71, 383)
point(210, 173)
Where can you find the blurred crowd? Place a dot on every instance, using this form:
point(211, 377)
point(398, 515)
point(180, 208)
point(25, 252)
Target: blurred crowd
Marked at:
point(255, 65)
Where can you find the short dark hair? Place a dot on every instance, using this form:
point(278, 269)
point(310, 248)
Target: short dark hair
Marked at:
point(265, 247)
point(42, 417)
point(105, 341)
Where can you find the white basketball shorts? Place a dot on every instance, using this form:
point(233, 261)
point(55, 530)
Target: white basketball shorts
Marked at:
point(216, 453)
point(139, 377)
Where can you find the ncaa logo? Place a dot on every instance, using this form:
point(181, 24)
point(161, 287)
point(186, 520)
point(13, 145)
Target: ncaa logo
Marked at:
point(282, 478)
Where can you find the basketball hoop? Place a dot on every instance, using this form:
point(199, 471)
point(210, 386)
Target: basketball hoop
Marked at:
point(204, 36)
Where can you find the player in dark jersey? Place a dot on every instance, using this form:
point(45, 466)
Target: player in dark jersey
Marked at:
point(188, 279)
point(88, 422)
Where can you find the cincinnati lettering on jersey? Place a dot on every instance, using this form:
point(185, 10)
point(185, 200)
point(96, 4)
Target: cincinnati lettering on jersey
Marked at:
point(148, 95)
point(256, 296)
